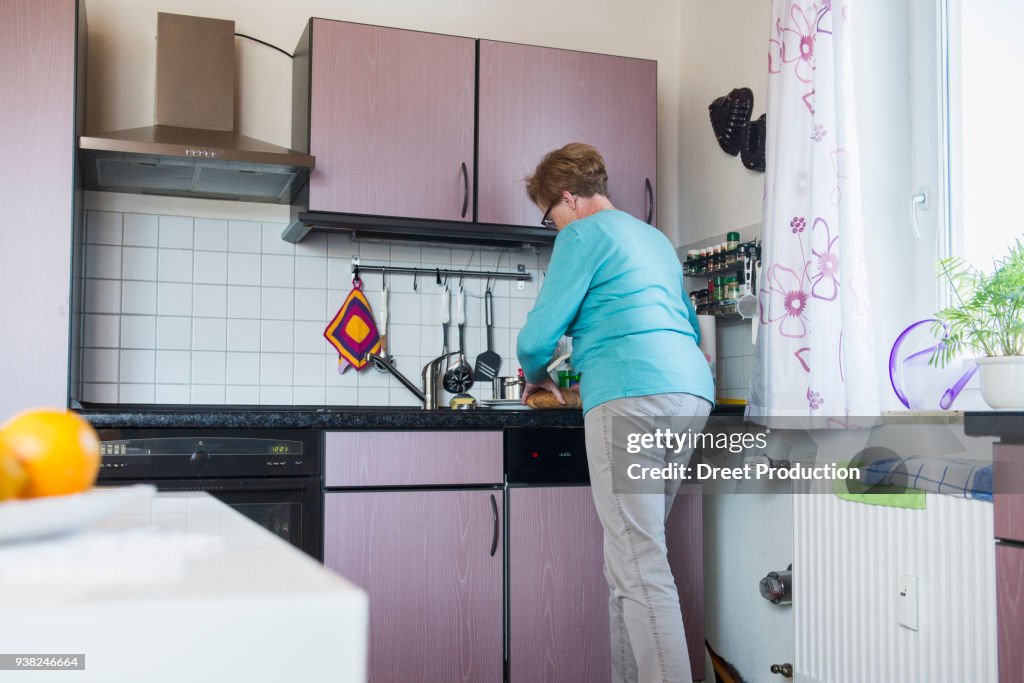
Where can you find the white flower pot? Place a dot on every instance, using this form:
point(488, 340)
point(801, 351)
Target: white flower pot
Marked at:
point(1002, 381)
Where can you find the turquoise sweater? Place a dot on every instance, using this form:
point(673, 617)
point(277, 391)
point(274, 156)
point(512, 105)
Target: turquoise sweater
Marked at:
point(615, 286)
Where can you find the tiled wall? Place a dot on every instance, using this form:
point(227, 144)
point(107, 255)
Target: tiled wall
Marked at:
point(181, 310)
point(735, 359)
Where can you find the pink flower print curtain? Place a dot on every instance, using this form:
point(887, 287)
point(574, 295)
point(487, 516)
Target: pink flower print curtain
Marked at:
point(815, 352)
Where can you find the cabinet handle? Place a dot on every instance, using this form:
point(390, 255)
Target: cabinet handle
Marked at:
point(650, 199)
point(494, 514)
point(465, 190)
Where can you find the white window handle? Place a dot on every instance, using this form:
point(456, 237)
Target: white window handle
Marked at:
point(921, 198)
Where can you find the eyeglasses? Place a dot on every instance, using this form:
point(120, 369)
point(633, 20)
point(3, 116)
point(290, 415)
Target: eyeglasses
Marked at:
point(547, 222)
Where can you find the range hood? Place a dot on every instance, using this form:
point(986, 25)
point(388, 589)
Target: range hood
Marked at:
point(193, 149)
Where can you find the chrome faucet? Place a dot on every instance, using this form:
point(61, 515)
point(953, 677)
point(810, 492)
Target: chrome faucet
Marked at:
point(429, 395)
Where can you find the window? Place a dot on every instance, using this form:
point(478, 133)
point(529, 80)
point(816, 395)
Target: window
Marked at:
point(985, 139)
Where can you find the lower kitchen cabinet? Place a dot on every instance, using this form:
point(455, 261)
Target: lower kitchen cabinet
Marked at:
point(431, 562)
point(558, 596)
point(1010, 611)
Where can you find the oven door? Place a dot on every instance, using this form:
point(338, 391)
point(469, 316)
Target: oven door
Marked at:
point(287, 507)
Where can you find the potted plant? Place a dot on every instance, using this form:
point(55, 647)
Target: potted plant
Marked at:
point(987, 319)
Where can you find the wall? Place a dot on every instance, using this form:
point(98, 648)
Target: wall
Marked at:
point(210, 311)
point(121, 66)
point(724, 46)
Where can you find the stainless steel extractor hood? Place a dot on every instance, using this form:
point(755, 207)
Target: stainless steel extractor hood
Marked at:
point(193, 150)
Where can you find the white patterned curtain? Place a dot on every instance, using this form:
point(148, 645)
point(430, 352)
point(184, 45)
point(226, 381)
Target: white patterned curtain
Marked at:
point(815, 350)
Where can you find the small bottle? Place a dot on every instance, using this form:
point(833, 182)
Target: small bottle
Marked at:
point(711, 289)
point(733, 288)
point(732, 241)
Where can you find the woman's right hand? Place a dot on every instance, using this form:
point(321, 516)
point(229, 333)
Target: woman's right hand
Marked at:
point(548, 385)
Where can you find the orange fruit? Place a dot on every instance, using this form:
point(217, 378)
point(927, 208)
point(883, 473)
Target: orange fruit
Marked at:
point(58, 450)
point(12, 475)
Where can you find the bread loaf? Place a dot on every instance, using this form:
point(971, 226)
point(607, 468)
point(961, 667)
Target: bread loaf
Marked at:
point(545, 399)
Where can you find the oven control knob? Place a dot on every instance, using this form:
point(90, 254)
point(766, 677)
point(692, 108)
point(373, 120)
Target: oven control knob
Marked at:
point(200, 459)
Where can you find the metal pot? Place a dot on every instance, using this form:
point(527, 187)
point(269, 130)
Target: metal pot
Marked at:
point(508, 388)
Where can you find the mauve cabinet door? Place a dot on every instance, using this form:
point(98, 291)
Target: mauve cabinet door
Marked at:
point(1010, 611)
point(391, 122)
point(558, 596)
point(1008, 475)
point(424, 558)
point(536, 99)
point(684, 536)
point(37, 136)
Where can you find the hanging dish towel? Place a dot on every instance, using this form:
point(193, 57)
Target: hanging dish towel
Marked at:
point(353, 331)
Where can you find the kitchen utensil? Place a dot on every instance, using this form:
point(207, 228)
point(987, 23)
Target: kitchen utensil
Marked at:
point(746, 305)
point(918, 385)
point(459, 378)
point(446, 317)
point(384, 294)
point(508, 388)
point(488, 363)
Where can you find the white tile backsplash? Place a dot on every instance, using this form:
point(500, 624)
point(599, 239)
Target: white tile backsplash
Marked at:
point(210, 301)
point(139, 297)
point(210, 267)
point(173, 367)
point(141, 230)
point(101, 331)
point(103, 261)
point(277, 303)
point(243, 302)
point(243, 269)
point(243, 368)
point(310, 272)
point(211, 234)
point(138, 332)
point(173, 332)
point(311, 304)
point(174, 265)
point(199, 310)
point(245, 236)
point(103, 227)
point(137, 365)
point(277, 271)
point(208, 367)
point(276, 336)
point(209, 334)
point(243, 335)
point(138, 263)
point(171, 298)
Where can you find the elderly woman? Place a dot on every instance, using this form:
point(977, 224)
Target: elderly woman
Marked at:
point(615, 286)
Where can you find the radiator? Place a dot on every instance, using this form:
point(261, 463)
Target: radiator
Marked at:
point(848, 558)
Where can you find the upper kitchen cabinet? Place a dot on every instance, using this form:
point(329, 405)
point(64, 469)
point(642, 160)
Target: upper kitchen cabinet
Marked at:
point(389, 115)
point(40, 62)
point(535, 99)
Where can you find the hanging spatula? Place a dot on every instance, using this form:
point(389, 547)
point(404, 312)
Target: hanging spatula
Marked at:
point(488, 363)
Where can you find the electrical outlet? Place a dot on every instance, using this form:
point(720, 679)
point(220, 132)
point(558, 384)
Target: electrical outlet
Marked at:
point(908, 601)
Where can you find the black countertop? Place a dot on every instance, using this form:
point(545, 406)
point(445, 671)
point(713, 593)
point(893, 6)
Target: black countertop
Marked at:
point(1005, 424)
point(342, 417)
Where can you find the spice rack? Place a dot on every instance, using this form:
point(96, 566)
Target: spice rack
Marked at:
point(723, 268)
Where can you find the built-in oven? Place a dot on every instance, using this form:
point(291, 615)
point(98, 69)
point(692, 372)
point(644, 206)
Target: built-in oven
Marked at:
point(271, 476)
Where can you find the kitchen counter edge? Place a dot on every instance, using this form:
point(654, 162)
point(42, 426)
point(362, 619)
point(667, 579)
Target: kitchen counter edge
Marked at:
point(193, 417)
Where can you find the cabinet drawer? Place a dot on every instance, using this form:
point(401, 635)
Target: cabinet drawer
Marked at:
point(412, 458)
point(1008, 481)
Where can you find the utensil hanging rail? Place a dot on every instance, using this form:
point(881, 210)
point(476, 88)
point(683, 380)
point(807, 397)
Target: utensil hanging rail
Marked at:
point(519, 274)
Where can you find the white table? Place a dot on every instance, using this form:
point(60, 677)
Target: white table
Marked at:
point(247, 606)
